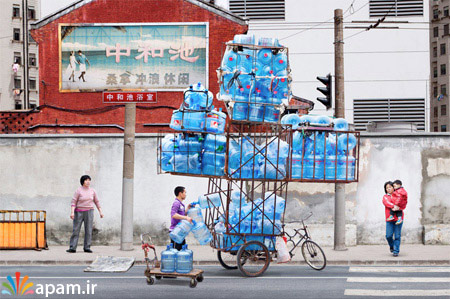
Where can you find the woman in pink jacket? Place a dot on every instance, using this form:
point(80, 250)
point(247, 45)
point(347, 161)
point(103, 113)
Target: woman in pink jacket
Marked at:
point(82, 210)
point(393, 230)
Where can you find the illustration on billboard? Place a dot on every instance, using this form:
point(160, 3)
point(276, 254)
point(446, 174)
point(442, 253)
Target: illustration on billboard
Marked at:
point(132, 57)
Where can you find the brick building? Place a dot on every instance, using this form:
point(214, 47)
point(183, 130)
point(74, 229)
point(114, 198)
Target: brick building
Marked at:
point(83, 111)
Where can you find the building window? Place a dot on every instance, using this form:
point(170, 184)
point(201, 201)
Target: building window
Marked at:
point(434, 51)
point(445, 29)
point(443, 110)
point(260, 10)
point(436, 32)
point(18, 106)
point(32, 83)
point(444, 89)
point(16, 11)
point(435, 72)
point(443, 69)
point(17, 58)
point(32, 105)
point(445, 11)
point(443, 49)
point(435, 14)
point(435, 110)
point(17, 83)
point(435, 91)
point(31, 13)
point(436, 129)
point(444, 128)
point(32, 59)
point(16, 34)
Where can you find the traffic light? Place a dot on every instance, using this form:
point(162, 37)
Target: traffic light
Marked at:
point(327, 91)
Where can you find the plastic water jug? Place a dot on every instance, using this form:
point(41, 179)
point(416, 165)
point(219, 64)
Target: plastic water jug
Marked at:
point(195, 213)
point(308, 165)
point(238, 198)
point(220, 230)
point(214, 201)
point(194, 121)
point(213, 163)
point(306, 119)
point(215, 143)
point(256, 113)
point(247, 61)
point(330, 167)
point(331, 144)
point(244, 39)
point(215, 122)
point(180, 231)
point(319, 170)
point(271, 114)
point(296, 166)
point(346, 142)
point(191, 144)
point(322, 120)
point(201, 233)
point(279, 62)
point(273, 172)
point(247, 84)
point(227, 87)
point(271, 227)
point(291, 119)
point(180, 162)
point(240, 111)
point(168, 260)
point(265, 56)
point(297, 142)
point(340, 124)
point(346, 168)
point(230, 61)
point(177, 120)
point(262, 70)
point(184, 261)
point(194, 165)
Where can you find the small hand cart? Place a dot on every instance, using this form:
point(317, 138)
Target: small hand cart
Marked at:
point(154, 266)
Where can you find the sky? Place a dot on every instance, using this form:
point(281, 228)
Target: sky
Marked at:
point(50, 6)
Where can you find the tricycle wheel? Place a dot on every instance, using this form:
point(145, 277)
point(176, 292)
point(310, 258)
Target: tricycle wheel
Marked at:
point(193, 283)
point(150, 280)
point(253, 259)
point(200, 278)
point(227, 260)
point(158, 277)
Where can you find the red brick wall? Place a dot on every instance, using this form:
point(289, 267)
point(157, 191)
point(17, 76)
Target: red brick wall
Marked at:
point(120, 11)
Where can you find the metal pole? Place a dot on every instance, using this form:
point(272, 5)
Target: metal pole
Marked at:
point(25, 54)
point(126, 241)
point(339, 111)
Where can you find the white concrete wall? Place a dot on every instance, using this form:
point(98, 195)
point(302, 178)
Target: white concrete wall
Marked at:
point(380, 63)
point(42, 172)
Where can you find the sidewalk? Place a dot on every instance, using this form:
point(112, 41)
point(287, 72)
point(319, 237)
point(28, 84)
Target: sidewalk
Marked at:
point(411, 254)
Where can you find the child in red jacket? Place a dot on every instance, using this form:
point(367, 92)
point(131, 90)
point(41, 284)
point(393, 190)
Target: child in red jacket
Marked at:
point(400, 197)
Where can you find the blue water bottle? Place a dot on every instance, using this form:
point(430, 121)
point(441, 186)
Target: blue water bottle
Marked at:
point(184, 261)
point(168, 260)
point(201, 233)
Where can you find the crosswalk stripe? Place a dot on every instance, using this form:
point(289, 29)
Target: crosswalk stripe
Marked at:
point(399, 279)
point(417, 293)
point(400, 269)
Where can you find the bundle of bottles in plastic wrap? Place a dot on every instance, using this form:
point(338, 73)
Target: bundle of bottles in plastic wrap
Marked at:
point(197, 227)
point(193, 153)
point(254, 79)
point(173, 260)
point(257, 217)
point(321, 155)
point(197, 113)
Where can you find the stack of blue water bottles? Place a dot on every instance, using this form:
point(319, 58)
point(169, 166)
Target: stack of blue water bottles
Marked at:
point(322, 155)
point(254, 79)
point(193, 154)
point(197, 113)
point(173, 260)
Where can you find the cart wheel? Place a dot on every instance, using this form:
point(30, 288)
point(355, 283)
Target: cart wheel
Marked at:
point(158, 277)
point(200, 278)
point(193, 283)
point(313, 255)
point(227, 260)
point(253, 259)
point(150, 280)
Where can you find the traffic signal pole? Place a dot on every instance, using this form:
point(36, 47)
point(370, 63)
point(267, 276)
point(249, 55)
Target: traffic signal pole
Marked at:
point(339, 111)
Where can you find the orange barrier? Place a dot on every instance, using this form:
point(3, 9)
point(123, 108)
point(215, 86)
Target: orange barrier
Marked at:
point(23, 229)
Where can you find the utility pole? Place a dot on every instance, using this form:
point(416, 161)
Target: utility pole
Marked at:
point(26, 88)
point(339, 111)
point(126, 240)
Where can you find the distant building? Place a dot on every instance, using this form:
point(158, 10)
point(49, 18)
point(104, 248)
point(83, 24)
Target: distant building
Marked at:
point(13, 60)
point(439, 64)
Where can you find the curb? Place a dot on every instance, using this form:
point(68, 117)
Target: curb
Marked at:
point(216, 263)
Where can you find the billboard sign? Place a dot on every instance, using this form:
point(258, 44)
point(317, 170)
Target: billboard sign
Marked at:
point(157, 57)
point(130, 97)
